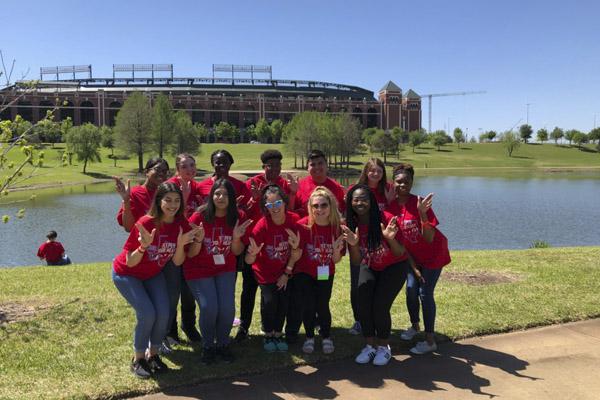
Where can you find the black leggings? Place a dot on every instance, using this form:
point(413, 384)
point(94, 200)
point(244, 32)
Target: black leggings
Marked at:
point(354, 271)
point(274, 305)
point(248, 296)
point(377, 291)
point(293, 319)
point(315, 297)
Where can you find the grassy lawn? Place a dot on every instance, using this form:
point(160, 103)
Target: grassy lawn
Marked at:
point(479, 159)
point(73, 335)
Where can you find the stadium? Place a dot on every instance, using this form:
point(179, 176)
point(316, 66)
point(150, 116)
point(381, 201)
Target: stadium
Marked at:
point(237, 94)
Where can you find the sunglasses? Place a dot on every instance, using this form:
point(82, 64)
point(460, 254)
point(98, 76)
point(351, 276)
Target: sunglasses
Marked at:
point(317, 206)
point(275, 204)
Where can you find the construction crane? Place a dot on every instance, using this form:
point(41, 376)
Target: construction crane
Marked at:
point(430, 96)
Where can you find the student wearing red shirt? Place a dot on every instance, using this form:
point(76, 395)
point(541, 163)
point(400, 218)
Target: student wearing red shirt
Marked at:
point(372, 243)
point(322, 246)
point(210, 269)
point(271, 163)
point(427, 246)
point(52, 251)
point(137, 201)
point(184, 178)
point(273, 250)
point(221, 160)
point(154, 240)
point(317, 170)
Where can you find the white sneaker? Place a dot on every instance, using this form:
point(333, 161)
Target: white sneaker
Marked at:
point(383, 355)
point(165, 348)
point(423, 348)
point(355, 329)
point(408, 334)
point(367, 354)
point(309, 346)
point(328, 346)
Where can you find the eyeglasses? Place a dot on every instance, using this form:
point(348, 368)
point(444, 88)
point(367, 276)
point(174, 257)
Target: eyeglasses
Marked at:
point(317, 206)
point(275, 204)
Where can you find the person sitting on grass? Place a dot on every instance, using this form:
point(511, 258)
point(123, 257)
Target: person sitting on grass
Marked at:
point(52, 251)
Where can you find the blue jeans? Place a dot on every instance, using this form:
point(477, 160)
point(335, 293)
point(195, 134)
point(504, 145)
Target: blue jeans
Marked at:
point(416, 291)
point(150, 301)
point(216, 297)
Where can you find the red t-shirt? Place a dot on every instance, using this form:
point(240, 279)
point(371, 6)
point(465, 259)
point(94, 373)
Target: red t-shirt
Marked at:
point(260, 181)
point(381, 200)
point(195, 200)
point(432, 255)
point(157, 254)
point(203, 189)
point(51, 251)
point(317, 248)
point(140, 202)
point(217, 242)
point(307, 185)
point(382, 257)
point(270, 263)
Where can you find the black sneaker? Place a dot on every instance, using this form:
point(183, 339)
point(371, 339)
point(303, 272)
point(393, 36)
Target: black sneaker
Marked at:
point(242, 334)
point(209, 356)
point(141, 369)
point(192, 334)
point(225, 353)
point(157, 365)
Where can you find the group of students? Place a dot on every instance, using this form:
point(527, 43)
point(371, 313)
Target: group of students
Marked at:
point(188, 239)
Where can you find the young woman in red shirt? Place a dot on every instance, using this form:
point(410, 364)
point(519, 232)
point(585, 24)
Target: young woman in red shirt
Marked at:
point(322, 248)
point(372, 243)
point(429, 249)
point(53, 251)
point(210, 269)
point(273, 251)
point(154, 240)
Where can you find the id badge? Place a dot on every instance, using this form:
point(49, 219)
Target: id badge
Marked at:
point(323, 272)
point(219, 259)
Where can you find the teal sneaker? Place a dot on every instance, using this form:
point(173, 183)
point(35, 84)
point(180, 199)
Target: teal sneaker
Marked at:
point(281, 344)
point(270, 345)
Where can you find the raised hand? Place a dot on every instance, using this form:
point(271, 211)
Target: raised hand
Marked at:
point(186, 188)
point(292, 181)
point(256, 191)
point(293, 238)
point(240, 230)
point(390, 193)
point(350, 237)
point(123, 190)
point(185, 238)
point(145, 238)
point(424, 204)
point(239, 199)
point(199, 232)
point(338, 244)
point(253, 248)
point(389, 232)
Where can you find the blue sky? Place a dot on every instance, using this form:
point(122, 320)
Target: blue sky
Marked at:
point(545, 53)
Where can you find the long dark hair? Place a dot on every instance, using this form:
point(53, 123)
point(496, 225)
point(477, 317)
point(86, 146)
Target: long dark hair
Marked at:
point(232, 212)
point(374, 233)
point(364, 179)
point(272, 189)
point(155, 211)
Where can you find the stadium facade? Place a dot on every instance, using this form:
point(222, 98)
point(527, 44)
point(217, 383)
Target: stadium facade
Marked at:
point(240, 101)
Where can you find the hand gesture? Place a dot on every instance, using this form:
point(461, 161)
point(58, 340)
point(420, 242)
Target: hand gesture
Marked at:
point(295, 254)
point(292, 182)
point(338, 244)
point(389, 232)
point(122, 190)
point(390, 193)
point(240, 230)
point(199, 229)
point(293, 238)
point(424, 204)
point(186, 188)
point(145, 238)
point(256, 191)
point(239, 199)
point(350, 237)
point(186, 238)
point(253, 248)
point(282, 282)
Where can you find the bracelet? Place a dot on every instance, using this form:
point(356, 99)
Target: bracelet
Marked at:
point(141, 249)
point(290, 269)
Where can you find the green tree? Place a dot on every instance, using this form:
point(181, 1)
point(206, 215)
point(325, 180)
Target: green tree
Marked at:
point(226, 132)
point(367, 134)
point(580, 138)
point(48, 130)
point(594, 135)
point(84, 141)
point(570, 135)
point(107, 136)
point(277, 130)
point(65, 126)
point(556, 134)
point(163, 124)
point(133, 125)
point(416, 138)
point(491, 135)
point(438, 139)
point(383, 142)
point(349, 131)
point(302, 134)
point(186, 139)
point(263, 131)
point(510, 141)
point(542, 135)
point(459, 136)
point(525, 131)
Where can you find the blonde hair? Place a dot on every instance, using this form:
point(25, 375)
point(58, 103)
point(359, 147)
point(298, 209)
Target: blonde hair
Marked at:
point(334, 214)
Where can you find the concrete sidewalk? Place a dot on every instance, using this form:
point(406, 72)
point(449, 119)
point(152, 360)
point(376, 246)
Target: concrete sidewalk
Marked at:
point(555, 362)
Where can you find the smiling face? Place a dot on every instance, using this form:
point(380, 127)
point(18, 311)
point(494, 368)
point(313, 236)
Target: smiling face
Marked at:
point(402, 184)
point(156, 175)
point(221, 163)
point(272, 169)
point(274, 205)
point(169, 205)
point(321, 209)
point(374, 175)
point(317, 168)
point(361, 203)
point(186, 169)
point(221, 199)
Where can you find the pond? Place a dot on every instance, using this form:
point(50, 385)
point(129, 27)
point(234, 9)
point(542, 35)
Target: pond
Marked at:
point(474, 212)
